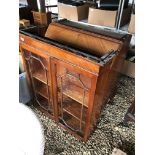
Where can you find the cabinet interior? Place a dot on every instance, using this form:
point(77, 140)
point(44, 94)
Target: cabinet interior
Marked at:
point(73, 97)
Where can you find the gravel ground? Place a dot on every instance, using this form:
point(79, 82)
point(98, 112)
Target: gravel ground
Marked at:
point(109, 133)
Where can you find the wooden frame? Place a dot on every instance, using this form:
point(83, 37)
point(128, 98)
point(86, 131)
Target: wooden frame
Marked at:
point(99, 78)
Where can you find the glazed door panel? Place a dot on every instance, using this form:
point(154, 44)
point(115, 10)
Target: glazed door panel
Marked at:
point(72, 92)
point(38, 69)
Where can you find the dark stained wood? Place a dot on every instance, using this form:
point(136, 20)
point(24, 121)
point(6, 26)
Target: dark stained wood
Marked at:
point(25, 13)
point(33, 5)
point(76, 80)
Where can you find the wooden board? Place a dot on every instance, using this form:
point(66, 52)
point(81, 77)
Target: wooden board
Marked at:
point(90, 42)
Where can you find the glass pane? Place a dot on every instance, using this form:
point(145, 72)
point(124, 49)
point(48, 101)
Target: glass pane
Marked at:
point(73, 90)
point(41, 88)
point(72, 99)
point(43, 102)
point(38, 70)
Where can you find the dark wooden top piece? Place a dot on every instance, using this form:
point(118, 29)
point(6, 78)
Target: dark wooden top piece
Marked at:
point(78, 36)
point(93, 29)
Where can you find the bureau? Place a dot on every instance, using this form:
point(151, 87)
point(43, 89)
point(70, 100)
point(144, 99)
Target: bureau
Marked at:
point(72, 71)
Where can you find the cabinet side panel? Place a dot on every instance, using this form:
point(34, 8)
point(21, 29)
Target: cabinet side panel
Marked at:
point(107, 81)
point(101, 94)
point(28, 77)
point(90, 109)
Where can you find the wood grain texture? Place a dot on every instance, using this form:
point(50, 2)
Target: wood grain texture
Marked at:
point(43, 48)
point(94, 44)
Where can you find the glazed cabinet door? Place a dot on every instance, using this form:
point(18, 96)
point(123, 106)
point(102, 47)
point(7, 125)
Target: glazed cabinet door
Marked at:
point(38, 70)
point(73, 96)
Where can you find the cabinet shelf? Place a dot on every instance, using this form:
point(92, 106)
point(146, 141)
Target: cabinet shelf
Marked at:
point(72, 123)
point(40, 75)
point(76, 93)
point(74, 108)
point(42, 90)
point(43, 102)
